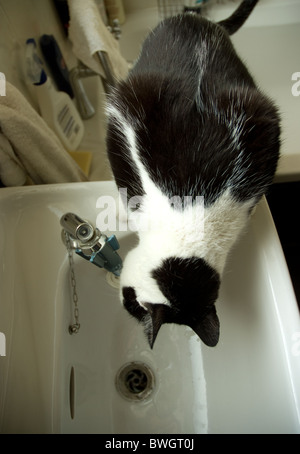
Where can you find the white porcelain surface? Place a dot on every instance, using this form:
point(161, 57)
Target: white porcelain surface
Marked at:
point(249, 383)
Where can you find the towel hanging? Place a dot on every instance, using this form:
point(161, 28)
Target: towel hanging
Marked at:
point(29, 147)
point(90, 36)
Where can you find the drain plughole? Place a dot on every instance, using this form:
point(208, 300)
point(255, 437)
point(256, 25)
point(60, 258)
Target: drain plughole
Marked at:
point(135, 381)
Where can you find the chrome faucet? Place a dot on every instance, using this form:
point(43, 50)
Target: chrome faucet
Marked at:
point(90, 243)
point(80, 72)
point(84, 105)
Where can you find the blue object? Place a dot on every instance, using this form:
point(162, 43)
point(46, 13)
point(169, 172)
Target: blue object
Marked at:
point(34, 65)
point(106, 257)
point(56, 63)
point(114, 243)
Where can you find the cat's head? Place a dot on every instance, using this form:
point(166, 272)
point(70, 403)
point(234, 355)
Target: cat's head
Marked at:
point(179, 290)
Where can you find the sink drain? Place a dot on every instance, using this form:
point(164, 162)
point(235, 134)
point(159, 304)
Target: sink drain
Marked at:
point(135, 381)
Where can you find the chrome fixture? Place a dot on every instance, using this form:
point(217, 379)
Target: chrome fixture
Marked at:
point(115, 29)
point(90, 243)
point(80, 72)
point(84, 105)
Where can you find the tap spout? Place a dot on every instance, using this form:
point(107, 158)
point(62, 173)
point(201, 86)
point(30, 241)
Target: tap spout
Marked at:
point(84, 105)
point(90, 243)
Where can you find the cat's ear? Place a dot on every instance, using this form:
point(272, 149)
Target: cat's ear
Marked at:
point(156, 316)
point(208, 328)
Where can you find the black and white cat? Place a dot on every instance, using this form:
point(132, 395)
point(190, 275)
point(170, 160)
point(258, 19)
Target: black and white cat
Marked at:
point(189, 121)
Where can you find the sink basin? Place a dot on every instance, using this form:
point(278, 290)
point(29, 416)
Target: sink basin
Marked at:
point(105, 378)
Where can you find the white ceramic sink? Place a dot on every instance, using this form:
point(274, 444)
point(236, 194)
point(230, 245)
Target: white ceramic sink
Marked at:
point(51, 381)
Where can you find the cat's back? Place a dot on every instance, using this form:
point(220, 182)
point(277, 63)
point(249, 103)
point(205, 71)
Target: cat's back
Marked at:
point(172, 44)
point(190, 46)
point(190, 115)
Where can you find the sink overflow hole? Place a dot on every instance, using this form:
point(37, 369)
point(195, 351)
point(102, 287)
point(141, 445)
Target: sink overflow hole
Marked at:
point(72, 393)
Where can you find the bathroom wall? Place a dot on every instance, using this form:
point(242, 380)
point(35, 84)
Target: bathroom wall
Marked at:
point(134, 5)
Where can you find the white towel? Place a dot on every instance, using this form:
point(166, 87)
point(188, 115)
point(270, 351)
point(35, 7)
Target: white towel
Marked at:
point(28, 147)
point(89, 35)
point(12, 173)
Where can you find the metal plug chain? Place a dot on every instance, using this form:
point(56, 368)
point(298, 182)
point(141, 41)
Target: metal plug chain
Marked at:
point(73, 329)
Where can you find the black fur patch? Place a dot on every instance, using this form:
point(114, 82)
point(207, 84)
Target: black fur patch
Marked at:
point(186, 117)
point(131, 304)
point(123, 167)
point(237, 19)
point(190, 285)
point(201, 127)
